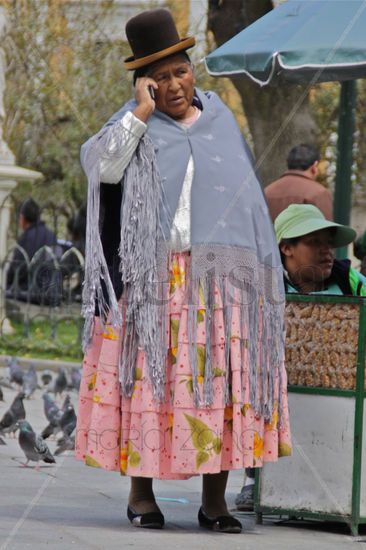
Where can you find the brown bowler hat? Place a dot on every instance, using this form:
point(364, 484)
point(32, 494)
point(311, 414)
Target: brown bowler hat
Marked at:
point(153, 35)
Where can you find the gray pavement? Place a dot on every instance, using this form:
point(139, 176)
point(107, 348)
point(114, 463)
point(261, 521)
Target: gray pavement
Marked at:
point(71, 506)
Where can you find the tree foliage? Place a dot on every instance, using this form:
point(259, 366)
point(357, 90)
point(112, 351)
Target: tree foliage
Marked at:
point(64, 80)
point(278, 116)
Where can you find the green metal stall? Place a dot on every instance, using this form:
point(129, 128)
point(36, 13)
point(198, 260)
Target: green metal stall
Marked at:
point(325, 478)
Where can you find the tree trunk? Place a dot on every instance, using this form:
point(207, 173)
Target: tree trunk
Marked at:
point(279, 117)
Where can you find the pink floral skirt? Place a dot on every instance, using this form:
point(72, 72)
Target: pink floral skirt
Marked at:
point(175, 440)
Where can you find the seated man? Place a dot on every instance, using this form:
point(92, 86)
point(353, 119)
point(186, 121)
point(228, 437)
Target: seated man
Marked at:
point(307, 242)
point(35, 235)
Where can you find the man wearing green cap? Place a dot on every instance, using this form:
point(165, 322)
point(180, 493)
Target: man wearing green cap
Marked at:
point(307, 242)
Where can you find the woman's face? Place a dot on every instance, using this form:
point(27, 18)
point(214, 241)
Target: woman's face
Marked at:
point(310, 259)
point(175, 80)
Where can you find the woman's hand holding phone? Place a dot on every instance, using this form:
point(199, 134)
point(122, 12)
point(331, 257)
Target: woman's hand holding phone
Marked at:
point(145, 97)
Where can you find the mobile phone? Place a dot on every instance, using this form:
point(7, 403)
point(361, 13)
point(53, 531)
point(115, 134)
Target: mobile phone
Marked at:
point(151, 92)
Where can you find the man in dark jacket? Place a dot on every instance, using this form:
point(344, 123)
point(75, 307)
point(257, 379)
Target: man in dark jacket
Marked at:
point(35, 235)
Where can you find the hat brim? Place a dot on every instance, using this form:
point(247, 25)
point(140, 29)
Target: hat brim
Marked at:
point(131, 63)
point(344, 235)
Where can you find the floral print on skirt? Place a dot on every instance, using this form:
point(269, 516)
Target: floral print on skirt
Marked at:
point(175, 440)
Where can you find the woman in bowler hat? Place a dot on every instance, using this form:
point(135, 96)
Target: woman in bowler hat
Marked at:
point(183, 295)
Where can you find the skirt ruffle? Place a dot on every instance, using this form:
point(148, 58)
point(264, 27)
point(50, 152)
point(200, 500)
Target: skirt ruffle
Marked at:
point(175, 439)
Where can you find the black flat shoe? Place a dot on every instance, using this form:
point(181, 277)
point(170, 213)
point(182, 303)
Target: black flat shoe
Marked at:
point(150, 520)
point(221, 524)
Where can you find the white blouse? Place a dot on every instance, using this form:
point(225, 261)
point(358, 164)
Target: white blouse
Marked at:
point(111, 171)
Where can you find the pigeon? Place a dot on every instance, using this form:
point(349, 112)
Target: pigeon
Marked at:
point(17, 406)
point(68, 425)
point(46, 377)
point(53, 414)
point(65, 444)
point(15, 371)
point(32, 445)
point(66, 402)
point(75, 378)
point(60, 381)
point(16, 412)
point(1, 395)
point(30, 382)
point(50, 407)
point(68, 420)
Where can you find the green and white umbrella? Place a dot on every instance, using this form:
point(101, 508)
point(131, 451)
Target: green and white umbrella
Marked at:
point(300, 41)
point(306, 41)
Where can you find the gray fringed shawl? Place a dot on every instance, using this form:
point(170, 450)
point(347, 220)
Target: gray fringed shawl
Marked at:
point(233, 247)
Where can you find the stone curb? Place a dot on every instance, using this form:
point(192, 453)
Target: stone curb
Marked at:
point(40, 364)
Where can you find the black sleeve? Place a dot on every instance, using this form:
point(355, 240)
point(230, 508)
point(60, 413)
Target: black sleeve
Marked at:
point(110, 216)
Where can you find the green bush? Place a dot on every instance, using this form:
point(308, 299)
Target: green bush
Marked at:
point(44, 340)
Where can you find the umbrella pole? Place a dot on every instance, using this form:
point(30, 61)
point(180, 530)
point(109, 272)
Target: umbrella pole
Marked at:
point(343, 183)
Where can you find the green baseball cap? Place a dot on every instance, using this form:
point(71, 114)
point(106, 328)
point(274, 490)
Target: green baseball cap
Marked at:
point(298, 220)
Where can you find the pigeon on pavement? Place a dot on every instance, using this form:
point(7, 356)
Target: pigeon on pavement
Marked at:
point(33, 446)
point(17, 406)
point(16, 412)
point(50, 407)
point(46, 377)
point(30, 382)
point(66, 402)
point(15, 371)
point(68, 420)
point(60, 381)
point(53, 414)
point(68, 425)
point(65, 444)
point(75, 378)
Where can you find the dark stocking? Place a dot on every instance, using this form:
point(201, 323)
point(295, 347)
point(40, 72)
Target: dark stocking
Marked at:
point(141, 498)
point(213, 494)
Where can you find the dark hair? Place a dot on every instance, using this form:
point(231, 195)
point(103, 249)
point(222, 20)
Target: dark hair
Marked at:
point(292, 241)
point(302, 157)
point(142, 71)
point(30, 210)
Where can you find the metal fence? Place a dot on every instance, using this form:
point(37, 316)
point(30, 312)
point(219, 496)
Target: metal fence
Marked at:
point(46, 286)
